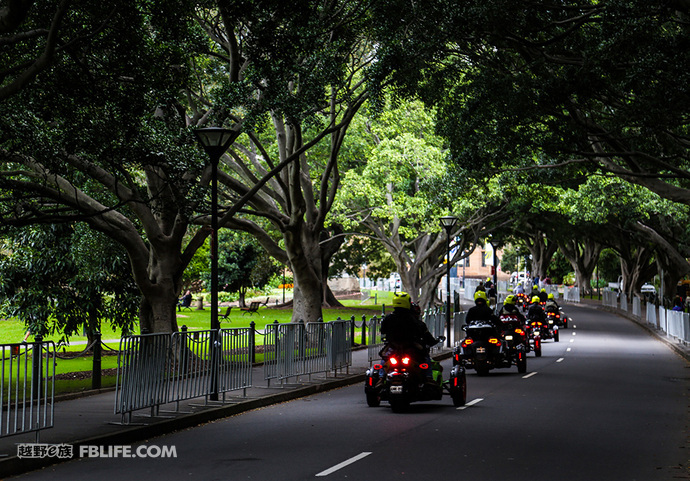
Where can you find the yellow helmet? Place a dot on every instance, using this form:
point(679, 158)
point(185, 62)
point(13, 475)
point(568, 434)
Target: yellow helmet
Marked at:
point(551, 296)
point(480, 295)
point(535, 300)
point(509, 300)
point(402, 300)
point(543, 289)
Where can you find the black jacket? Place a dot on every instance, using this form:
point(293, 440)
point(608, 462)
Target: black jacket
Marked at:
point(512, 310)
point(536, 313)
point(482, 312)
point(402, 327)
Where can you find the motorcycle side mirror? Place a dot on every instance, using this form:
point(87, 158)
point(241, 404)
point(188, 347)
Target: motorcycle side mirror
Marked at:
point(441, 338)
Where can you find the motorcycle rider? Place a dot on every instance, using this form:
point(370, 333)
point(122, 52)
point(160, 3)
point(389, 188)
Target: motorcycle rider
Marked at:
point(543, 296)
point(404, 327)
point(491, 292)
point(510, 309)
point(482, 312)
point(535, 312)
point(551, 304)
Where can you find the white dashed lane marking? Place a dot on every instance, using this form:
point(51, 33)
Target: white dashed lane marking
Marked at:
point(471, 403)
point(343, 464)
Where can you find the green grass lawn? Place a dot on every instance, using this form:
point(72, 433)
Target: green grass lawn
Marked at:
point(14, 331)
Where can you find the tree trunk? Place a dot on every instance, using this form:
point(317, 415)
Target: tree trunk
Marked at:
point(542, 252)
point(672, 262)
point(636, 268)
point(305, 260)
point(158, 314)
point(583, 257)
point(329, 299)
point(329, 247)
point(243, 297)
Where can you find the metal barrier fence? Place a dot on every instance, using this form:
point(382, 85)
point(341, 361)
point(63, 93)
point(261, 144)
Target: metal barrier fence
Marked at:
point(674, 323)
point(27, 387)
point(458, 322)
point(142, 372)
point(235, 368)
point(651, 314)
point(677, 324)
point(637, 307)
point(156, 369)
point(623, 302)
point(435, 320)
point(295, 349)
point(374, 341)
point(470, 287)
point(339, 335)
point(571, 294)
point(609, 299)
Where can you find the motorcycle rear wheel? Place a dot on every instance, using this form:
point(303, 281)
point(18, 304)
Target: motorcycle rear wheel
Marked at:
point(373, 400)
point(537, 349)
point(459, 394)
point(522, 365)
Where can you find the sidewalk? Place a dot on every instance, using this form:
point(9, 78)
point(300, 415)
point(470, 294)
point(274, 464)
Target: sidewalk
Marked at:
point(90, 420)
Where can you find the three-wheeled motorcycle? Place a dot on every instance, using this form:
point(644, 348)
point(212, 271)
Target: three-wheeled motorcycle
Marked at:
point(406, 375)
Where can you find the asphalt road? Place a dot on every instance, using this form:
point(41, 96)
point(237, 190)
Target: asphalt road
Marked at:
point(607, 402)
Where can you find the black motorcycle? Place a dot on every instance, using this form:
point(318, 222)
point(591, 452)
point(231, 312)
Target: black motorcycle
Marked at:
point(557, 316)
point(522, 301)
point(405, 375)
point(486, 348)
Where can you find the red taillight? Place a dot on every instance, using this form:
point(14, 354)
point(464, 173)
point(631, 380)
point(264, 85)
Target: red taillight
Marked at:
point(393, 361)
point(378, 367)
point(493, 340)
point(467, 342)
point(457, 357)
point(519, 331)
point(455, 382)
point(424, 366)
point(371, 381)
point(406, 361)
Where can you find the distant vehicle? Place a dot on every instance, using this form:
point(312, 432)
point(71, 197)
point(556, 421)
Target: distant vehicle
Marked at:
point(517, 277)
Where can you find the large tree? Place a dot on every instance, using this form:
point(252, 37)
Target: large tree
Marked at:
point(84, 142)
point(603, 85)
point(395, 194)
point(294, 76)
point(102, 135)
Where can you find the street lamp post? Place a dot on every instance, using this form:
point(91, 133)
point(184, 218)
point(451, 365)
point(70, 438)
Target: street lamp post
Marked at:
point(494, 268)
point(215, 141)
point(448, 223)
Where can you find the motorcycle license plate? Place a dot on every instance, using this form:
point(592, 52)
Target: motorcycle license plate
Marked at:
point(481, 350)
point(396, 390)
